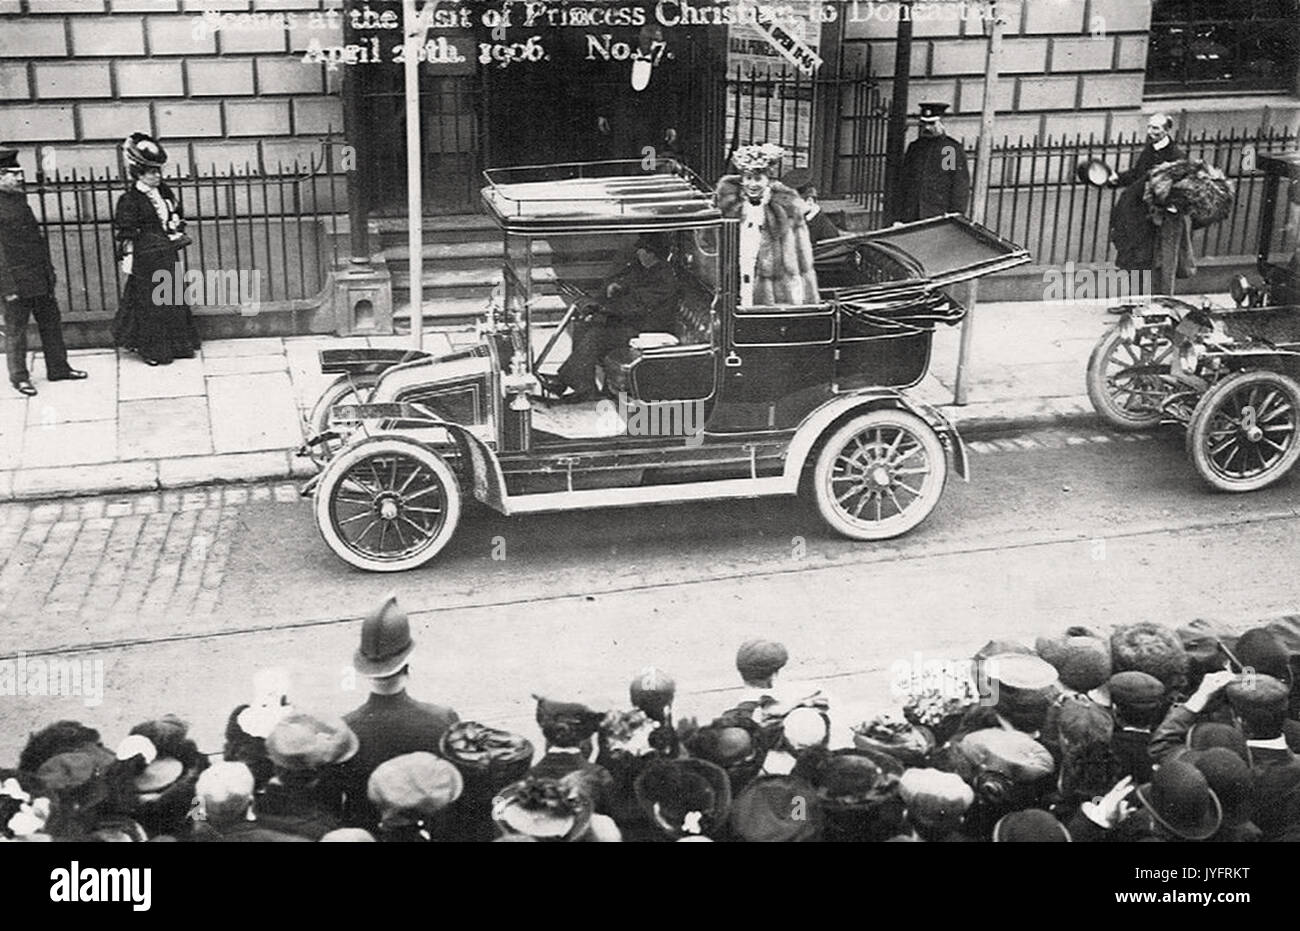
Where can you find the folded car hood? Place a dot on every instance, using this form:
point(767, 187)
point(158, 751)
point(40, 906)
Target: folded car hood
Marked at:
point(944, 250)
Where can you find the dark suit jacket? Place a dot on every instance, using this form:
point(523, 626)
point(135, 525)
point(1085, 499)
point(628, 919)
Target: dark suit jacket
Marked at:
point(936, 179)
point(648, 299)
point(1277, 792)
point(388, 726)
point(25, 267)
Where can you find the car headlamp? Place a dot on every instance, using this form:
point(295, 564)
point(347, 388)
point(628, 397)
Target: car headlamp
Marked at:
point(1189, 357)
point(1128, 326)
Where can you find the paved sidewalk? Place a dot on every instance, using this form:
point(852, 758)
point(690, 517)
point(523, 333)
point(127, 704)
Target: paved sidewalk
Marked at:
point(234, 413)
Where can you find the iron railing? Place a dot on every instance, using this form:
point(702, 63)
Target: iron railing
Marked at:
point(280, 225)
point(1036, 200)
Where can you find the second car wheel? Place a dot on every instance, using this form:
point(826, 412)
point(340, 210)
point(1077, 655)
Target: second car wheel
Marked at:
point(1124, 378)
point(1245, 431)
point(346, 389)
point(879, 475)
point(387, 504)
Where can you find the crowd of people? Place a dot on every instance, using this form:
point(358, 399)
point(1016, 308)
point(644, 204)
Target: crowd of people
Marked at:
point(1142, 733)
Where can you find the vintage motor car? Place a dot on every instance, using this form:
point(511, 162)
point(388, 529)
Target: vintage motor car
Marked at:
point(1230, 377)
point(737, 401)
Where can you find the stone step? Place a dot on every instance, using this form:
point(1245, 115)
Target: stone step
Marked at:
point(468, 310)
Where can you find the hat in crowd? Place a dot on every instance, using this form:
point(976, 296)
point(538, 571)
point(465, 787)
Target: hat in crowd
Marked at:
point(1152, 649)
point(1025, 687)
point(8, 159)
point(566, 724)
point(1084, 723)
point(76, 776)
point(302, 741)
point(759, 659)
point(800, 180)
point(932, 111)
point(1081, 662)
point(156, 771)
point(651, 690)
point(347, 836)
point(1092, 171)
point(544, 809)
point(144, 150)
point(1260, 650)
point(804, 728)
point(1136, 690)
point(414, 783)
point(725, 744)
point(935, 798)
point(757, 157)
point(1030, 825)
point(1206, 735)
point(1203, 642)
point(386, 642)
point(481, 751)
point(1249, 693)
point(849, 778)
point(1012, 754)
point(1227, 774)
point(686, 796)
point(777, 809)
point(1180, 800)
point(224, 791)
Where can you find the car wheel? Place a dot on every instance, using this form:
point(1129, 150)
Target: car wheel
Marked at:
point(345, 389)
point(387, 504)
point(879, 475)
point(1125, 399)
point(1245, 431)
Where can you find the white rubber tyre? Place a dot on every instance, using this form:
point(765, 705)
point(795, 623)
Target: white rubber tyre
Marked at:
point(880, 475)
point(1245, 431)
point(387, 488)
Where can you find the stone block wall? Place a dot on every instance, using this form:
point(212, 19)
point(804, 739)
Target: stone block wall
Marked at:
point(1067, 67)
point(77, 76)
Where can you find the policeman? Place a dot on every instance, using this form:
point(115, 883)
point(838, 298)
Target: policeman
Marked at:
point(935, 177)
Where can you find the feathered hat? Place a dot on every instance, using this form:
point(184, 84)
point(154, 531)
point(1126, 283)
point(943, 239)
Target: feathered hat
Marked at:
point(144, 150)
point(757, 157)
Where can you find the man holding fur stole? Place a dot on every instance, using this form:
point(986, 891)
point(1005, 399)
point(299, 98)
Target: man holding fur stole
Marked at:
point(776, 258)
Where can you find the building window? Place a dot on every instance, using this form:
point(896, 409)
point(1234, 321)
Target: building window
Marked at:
point(1233, 45)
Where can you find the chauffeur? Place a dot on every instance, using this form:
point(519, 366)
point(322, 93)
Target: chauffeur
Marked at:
point(641, 298)
point(27, 283)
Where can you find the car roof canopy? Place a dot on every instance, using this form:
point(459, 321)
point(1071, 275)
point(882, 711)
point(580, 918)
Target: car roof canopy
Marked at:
point(579, 196)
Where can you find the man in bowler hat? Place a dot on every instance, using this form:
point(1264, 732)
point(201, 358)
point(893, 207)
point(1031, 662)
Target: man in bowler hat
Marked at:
point(391, 722)
point(27, 283)
point(935, 177)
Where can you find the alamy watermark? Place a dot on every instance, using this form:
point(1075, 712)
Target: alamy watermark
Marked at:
point(955, 680)
point(1074, 283)
point(630, 417)
point(214, 287)
point(53, 677)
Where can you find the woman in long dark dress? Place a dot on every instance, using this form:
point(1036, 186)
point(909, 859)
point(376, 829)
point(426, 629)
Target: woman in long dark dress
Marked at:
point(153, 318)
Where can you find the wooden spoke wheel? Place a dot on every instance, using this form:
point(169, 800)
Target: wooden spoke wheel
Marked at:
point(1245, 431)
point(879, 475)
point(1125, 379)
point(387, 504)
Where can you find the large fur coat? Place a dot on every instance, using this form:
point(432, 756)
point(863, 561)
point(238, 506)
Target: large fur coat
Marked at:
point(784, 271)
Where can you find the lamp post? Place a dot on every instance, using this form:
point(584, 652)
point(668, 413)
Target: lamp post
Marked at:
point(896, 136)
point(414, 33)
point(983, 171)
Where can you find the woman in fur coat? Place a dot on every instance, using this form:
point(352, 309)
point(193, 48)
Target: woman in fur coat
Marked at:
point(776, 257)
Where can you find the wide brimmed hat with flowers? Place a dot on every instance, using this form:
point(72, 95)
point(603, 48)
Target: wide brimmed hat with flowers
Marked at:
point(757, 157)
point(144, 150)
point(544, 809)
